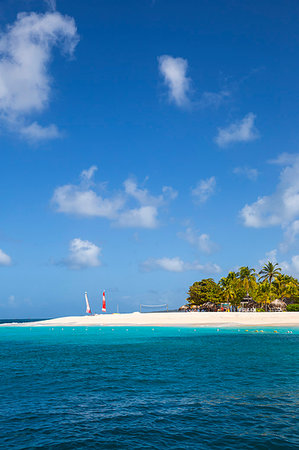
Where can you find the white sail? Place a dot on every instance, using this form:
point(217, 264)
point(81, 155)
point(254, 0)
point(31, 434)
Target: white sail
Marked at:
point(88, 310)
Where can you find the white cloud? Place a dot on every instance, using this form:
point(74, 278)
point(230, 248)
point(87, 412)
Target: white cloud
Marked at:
point(83, 200)
point(239, 131)
point(285, 159)
point(25, 54)
point(176, 264)
point(36, 132)
point(279, 208)
point(174, 72)
point(71, 199)
point(200, 241)
point(88, 174)
point(83, 254)
point(5, 260)
point(247, 172)
point(144, 217)
point(204, 189)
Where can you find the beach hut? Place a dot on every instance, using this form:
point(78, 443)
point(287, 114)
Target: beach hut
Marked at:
point(277, 305)
point(248, 304)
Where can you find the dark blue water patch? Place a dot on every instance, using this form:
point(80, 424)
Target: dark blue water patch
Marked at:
point(148, 387)
point(12, 321)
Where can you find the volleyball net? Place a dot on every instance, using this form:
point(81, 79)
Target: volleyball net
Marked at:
point(153, 308)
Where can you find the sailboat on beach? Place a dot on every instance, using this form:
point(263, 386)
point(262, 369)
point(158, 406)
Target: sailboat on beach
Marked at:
point(88, 310)
point(104, 302)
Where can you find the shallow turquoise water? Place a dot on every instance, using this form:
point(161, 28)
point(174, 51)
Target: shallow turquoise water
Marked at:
point(148, 387)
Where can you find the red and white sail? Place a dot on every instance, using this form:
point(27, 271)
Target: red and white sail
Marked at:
point(88, 310)
point(104, 302)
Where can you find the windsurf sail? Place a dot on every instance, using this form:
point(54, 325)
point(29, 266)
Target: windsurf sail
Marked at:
point(88, 310)
point(104, 302)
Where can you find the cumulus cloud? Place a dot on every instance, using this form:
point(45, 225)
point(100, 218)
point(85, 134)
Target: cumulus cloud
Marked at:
point(25, 53)
point(174, 73)
point(204, 189)
point(176, 264)
point(247, 172)
point(239, 131)
point(201, 241)
point(279, 208)
point(5, 260)
point(82, 254)
point(83, 200)
point(143, 217)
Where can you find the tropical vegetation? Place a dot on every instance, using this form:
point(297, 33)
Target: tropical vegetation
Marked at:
point(263, 287)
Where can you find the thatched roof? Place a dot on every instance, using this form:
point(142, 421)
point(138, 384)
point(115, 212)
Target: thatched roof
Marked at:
point(278, 304)
point(183, 308)
point(208, 305)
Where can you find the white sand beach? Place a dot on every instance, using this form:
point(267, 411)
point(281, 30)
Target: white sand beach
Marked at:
point(169, 319)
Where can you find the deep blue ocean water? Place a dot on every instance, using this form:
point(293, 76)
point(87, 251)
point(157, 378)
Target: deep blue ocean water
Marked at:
point(148, 388)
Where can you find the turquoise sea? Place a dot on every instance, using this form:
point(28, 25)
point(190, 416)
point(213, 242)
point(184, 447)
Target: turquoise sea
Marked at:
point(148, 388)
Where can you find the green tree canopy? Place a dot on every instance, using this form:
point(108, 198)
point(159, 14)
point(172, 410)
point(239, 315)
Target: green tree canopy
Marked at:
point(204, 291)
point(233, 288)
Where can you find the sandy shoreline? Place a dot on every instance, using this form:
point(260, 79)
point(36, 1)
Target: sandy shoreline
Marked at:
point(173, 319)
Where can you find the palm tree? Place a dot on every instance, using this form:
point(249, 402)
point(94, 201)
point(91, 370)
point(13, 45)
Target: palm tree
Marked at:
point(229, 286)
point(268, 273)
point(247, 277)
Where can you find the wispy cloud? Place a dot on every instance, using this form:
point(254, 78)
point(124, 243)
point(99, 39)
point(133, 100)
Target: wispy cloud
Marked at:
point(270, 256)
point(5, 260)
point(176, 264)
point(174, 73)
point(247, 172)
point(82, 254)
point(36, 132)
point(239, 131)
point(25, 82)
point(51, 4)
point(84, 200)
point(204, 190)
point(213, 99)
point(201, 241)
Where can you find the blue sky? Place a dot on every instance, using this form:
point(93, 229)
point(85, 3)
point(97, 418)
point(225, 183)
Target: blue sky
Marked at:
point(144, 145)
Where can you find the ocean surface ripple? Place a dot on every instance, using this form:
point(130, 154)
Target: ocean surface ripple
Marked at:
point(148, 388)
